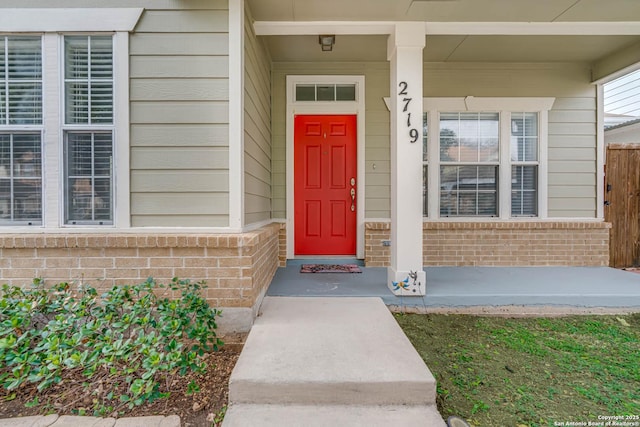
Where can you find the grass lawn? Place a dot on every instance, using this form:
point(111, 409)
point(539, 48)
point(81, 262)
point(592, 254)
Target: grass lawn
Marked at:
point(532, 371)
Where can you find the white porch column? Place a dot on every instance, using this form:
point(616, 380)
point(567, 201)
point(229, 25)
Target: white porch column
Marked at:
point(405, 276)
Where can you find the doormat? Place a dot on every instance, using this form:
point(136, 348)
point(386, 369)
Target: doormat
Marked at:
point(330, 268)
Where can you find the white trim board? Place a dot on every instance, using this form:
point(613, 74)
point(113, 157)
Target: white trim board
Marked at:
point(473, 103)
point(69, 19)
point(282, 28)
point(322, 107)
point(236, 114)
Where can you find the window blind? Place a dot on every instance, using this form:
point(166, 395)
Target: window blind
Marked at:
point(20, 80)
point(88, 79)
point(21, 177)
point(524, 161)
point(89, 181)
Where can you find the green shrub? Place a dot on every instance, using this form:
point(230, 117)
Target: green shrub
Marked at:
point(132, 337)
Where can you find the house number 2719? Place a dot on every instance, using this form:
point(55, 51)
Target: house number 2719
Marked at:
point(406, 100)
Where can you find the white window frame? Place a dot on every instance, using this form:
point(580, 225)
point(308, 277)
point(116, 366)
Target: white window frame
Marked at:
point(89, 127)
point(504, 106)
point(52, 24)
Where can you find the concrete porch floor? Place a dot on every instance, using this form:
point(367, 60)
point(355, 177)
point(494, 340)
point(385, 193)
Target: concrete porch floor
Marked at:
point(475, 289)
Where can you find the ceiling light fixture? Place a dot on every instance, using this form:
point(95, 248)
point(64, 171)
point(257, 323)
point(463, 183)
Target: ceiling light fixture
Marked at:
point(327, 42)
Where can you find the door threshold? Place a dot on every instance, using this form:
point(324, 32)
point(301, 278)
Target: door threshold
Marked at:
point(325, 259)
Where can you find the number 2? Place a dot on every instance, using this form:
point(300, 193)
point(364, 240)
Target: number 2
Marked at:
point(404, 87)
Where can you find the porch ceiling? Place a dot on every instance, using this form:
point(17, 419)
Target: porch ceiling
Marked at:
point(453, 48)
point(445, 10)
point(457, 47)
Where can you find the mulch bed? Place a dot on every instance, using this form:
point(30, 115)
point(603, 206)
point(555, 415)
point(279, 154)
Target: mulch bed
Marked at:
point(198, 409)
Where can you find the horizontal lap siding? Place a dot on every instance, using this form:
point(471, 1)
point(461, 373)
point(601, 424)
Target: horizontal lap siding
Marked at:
point(257, 127)
point(572, 124)
point(572, 120)
point(377, 165)
point(180, 114)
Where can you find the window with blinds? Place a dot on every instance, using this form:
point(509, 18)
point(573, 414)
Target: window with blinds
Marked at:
point(88, 130)
point(20, 80)
point(20, 178)
point(20, 130)
point(524, 164)
point(469, 161)
point(88, 79)
point(89, 180)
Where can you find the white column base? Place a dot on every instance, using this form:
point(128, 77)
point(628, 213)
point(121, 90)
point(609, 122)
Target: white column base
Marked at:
point(407, 283)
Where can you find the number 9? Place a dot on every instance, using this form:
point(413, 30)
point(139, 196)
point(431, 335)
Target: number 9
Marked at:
point(413, 133)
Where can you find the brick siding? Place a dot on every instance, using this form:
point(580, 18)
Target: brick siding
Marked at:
point(545, 243)
point(236, 267)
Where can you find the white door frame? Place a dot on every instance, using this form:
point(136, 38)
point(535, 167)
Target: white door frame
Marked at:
point(356, 107)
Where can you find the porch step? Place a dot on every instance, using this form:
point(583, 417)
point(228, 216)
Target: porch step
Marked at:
point(329, 357)
point(332, 416)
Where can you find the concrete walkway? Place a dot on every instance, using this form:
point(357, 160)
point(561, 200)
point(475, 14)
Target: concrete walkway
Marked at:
point(329, 362)
point(68, 421)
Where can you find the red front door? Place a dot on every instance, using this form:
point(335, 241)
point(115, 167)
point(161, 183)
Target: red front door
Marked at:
point(325, 185)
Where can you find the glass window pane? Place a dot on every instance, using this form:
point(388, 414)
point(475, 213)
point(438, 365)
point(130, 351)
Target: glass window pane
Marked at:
point(20, 80)
point(524, 186)
point(425, 134)
point(77, 103)
point(102, 103)
point(3, 61)
point(101, 58)
point(24, 58)
point(5, 177)
point(3, 104)
point(425, 187)
point(345, 92)
point(89, 180)
point(25, 103)
point(449, 137)
point(530, 124)
point(76, 58)
point(88, 79)
point(469, 137)
point(326, 92)
point(468, 190)
point(305, 92)
point(20, 178)
point(524, 137)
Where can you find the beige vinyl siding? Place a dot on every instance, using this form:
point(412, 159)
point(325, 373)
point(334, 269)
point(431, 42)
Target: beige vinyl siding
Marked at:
point(179, 114)
point(572, 123)
point(257, 127)
point(377, 189)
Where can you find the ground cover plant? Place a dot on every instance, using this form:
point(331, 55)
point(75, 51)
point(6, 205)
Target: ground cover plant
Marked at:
point(65, 349)
point(532, 371)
